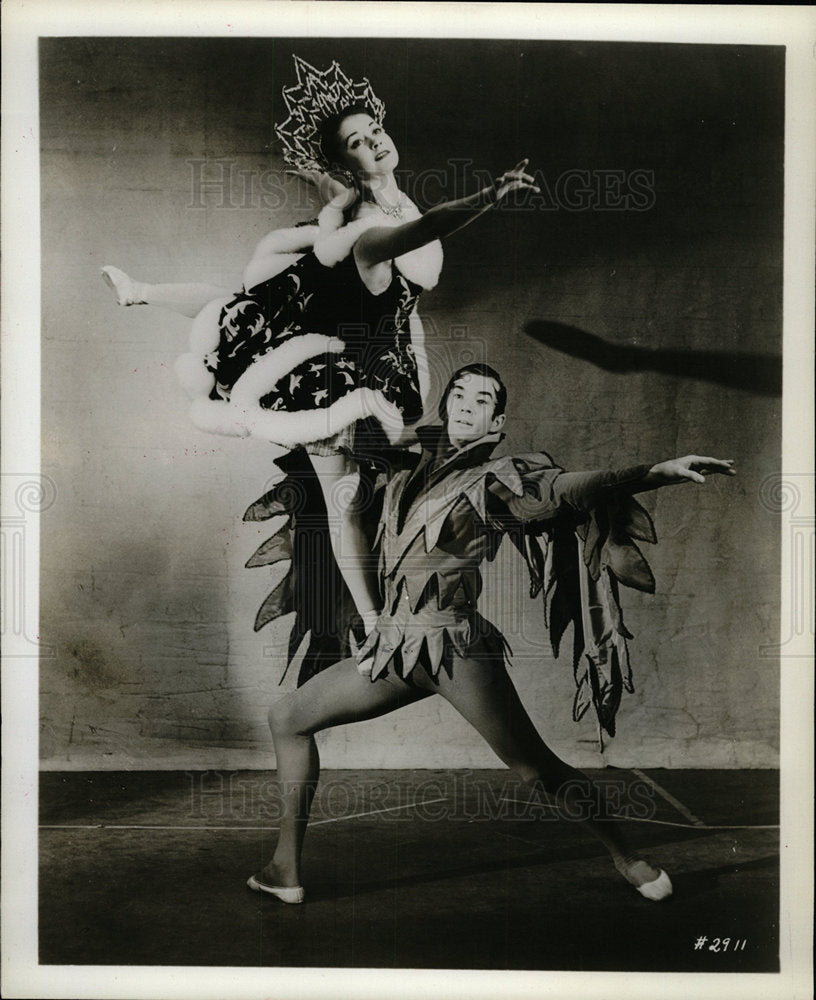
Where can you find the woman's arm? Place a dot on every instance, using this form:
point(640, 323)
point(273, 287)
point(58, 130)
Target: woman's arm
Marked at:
point(327, 187)
point(277, 251)
point(387, 242)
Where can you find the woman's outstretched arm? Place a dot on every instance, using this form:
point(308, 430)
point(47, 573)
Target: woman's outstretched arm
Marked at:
point(385, 242)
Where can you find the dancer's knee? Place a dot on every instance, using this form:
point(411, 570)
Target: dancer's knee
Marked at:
point(282, 718)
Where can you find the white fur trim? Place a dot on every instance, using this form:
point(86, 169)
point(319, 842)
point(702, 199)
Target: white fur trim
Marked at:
point(330, 218)
point(301, 427)
point(423, 265)
point(194, 376)
point(264, 373)
point(297, 239)
point(205, 332)
point(215, 416)
point(332, 247)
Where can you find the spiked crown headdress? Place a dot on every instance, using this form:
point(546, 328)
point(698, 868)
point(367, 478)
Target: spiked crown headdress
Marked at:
point(316, 96)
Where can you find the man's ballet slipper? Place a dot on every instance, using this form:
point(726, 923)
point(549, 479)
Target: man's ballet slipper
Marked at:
point(634, 869)
point(285, 893)
point(657, 889)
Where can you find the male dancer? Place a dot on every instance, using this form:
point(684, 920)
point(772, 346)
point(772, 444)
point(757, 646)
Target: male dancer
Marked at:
point(439, 521)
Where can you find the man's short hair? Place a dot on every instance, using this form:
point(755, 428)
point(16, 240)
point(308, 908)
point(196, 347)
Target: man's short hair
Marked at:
point(475, 368)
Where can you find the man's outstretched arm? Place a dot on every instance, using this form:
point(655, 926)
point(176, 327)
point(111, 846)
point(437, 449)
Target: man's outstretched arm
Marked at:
point(691, 468)
point(550, 490)
point(582, 490)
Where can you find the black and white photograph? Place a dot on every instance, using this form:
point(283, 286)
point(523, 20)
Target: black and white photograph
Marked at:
point(408, 541)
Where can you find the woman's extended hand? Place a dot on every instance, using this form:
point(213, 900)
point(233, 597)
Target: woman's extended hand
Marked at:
point(514, 180)
point(691, 468)
point(382, 243)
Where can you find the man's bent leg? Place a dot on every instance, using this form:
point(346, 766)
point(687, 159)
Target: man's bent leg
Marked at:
point(336, 696)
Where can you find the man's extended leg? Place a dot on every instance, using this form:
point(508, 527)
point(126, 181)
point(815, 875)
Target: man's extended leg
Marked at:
point(482, 692)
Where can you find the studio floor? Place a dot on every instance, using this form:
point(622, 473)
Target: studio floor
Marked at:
point(407, 869)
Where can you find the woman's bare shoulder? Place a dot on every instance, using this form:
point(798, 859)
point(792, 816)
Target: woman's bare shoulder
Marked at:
point(367, 210)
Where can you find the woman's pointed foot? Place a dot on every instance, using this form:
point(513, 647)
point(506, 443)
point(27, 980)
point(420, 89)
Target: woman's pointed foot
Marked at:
point(651, 883)
point(123, 286)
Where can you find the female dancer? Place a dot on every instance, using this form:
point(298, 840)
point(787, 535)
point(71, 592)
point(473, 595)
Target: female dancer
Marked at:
point(326, 334)
point(439, 522)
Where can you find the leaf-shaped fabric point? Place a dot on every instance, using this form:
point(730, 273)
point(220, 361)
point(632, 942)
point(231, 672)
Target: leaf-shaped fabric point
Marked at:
point(274, 549)
point(278, 603)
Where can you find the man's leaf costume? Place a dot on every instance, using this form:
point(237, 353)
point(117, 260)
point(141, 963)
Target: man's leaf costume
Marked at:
point(433, 519)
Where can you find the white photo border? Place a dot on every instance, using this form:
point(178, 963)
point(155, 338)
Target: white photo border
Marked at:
point(23, 24)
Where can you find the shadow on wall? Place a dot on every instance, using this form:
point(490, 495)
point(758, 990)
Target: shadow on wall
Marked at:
point(757, 373)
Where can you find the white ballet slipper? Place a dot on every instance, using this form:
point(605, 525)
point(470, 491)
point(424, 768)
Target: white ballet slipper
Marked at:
point(635, 869)
point(123, 286)
point(657, 889)
point(285, 893)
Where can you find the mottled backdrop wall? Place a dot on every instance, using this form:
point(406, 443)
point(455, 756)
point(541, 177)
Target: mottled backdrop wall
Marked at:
point(635, 310)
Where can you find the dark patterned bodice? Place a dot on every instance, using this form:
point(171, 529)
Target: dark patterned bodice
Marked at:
point(308, 297)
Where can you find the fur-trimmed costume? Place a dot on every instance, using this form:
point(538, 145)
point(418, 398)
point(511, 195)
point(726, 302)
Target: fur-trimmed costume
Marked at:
point(321, 344)
point(441, 518)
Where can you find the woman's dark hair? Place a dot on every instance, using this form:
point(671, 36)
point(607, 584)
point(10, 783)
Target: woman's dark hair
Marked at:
point(476, 368)
point(329, 145)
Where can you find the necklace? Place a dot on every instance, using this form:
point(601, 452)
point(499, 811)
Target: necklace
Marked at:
point(394, 211)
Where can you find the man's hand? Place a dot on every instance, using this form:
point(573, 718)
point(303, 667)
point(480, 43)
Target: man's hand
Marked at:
point(691, 468)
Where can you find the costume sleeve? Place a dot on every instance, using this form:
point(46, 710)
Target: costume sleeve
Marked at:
point(599, 506)
point(577, 532)
point(548, 491)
